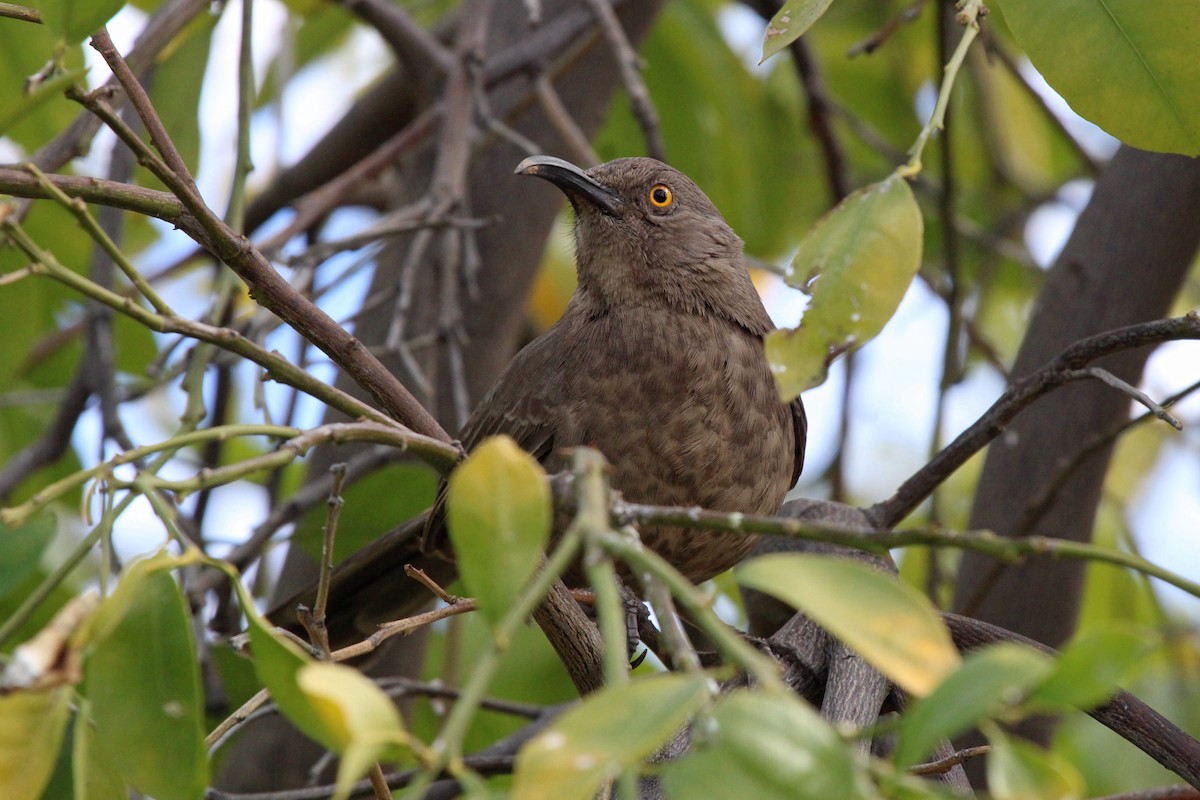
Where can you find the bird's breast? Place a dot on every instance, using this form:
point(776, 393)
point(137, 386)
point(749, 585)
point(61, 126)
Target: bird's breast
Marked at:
point(685, 409)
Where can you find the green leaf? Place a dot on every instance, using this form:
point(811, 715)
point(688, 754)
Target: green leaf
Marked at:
point(143, 682)
point(1131, 67)
point(764, 746)
point(94, 775)
point(498, 512)
point(129, 591)
point(612, 730)
point(1090, 668)
point(25, 50)
point(23, 548)
point(30, 738)
point(24, 104)
point(988, 680)
point(1018, 770)
point(789, 24)
point(362, 719)
point(891, 625)
point(856, 263)
point(75, 20)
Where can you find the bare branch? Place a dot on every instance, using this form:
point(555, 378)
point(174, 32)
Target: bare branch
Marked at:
point(1021, 394)
point(13, 11)
point(268, 287)
point(631, 65)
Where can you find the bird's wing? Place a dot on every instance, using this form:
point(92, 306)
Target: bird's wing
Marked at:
point(800, 430)
point(514, 407)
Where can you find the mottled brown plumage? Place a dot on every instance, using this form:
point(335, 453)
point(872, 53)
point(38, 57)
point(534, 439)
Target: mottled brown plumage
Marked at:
point(657, 362)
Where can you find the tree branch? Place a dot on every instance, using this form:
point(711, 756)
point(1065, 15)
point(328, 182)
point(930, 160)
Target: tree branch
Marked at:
point(1061, 370)
point(266, 285)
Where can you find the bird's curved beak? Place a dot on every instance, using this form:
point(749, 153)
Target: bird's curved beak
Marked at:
point(574, 182)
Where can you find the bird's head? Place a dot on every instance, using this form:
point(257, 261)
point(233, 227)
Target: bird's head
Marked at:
point(645, 233)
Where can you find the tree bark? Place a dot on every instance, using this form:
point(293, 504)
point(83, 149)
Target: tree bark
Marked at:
point(1124, 263)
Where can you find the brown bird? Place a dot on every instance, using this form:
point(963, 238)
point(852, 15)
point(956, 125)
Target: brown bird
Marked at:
point(657, 362)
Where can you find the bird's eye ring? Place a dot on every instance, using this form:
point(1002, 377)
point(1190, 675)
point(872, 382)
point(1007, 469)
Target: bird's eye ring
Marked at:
point(660, 195)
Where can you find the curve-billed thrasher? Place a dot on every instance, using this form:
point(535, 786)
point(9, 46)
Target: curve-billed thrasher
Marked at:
point(657, 362)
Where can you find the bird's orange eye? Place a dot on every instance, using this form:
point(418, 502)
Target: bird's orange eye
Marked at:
point(660, 196)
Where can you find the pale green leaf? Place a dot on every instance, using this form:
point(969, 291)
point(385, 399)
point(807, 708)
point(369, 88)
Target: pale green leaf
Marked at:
point(362, 719)
point(25, 104)
point(766, 747)
point(1131, 66)
point(94, 775)
point(857, 263)
point(1018, 770)
point(30, 738)
point(498, 514)
point(891, 625)
point(789, 24)
point(988, 680)
point(143, 682)
point(612, 730)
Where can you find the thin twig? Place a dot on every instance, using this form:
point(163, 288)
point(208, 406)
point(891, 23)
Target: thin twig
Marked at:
point(316, 627)
point(1038, 507)
point(242, 714)
point(407, 687)
point(298, 443)
point(969, 14)
point(909, 13)
point(420, 576)
point(631, 75)
point(819, 105)
point(276, 366)
point(1060, 370)
point(78, 208)
point(564, 124)
point(161, 30)
point(162, 141)
point(404, 627)
point(1105, 376)
point(379, 782)
point(944, 765)
point(880, 541)
point(12, 11)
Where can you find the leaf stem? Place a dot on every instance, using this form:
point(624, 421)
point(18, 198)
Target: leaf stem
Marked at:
point(969, 13)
